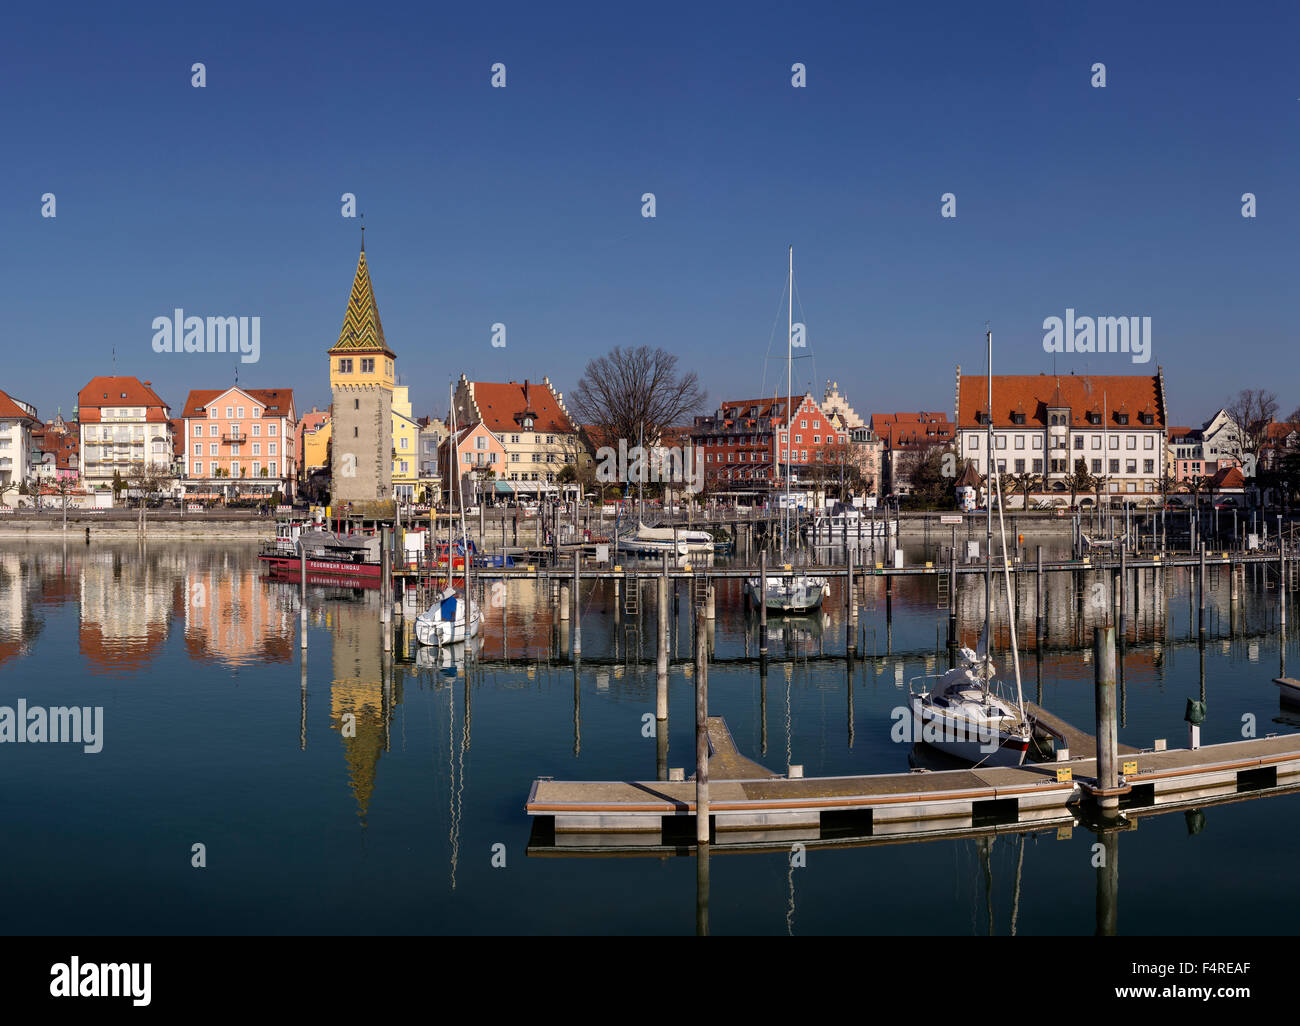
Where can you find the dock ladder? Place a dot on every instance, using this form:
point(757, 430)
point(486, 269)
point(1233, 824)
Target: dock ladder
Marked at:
point(699, 588)
point(631, 595)
point(944, 588)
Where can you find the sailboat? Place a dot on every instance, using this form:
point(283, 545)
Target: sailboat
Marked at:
point(787, 590)
point(968, 712)
point(454, 616)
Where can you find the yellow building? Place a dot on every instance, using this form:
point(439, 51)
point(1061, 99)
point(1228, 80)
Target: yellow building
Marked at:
point(406, 441)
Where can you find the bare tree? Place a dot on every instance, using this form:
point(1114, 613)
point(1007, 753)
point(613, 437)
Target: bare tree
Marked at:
point(148, 479)
point(63, 487)
point(1251, 413)
point(631, 391)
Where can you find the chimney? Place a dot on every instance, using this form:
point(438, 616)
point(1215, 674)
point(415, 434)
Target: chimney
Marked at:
point(525, 391)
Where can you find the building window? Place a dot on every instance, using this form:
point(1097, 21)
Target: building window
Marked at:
point(367, 365)
point(198, 469)
point(212, 448)
point(1149, 442)
point(1096, 466)
point(1114, 441)
point(198, 448)
point(257, 448)
point(974, 442)
point(1020, 466)
point(1132, 442)
point(1114, 466)
point(1096, 441)
point(271, 429)
point(213, 467)
point(345, 367)
point(1002, 441)
point(257, 468)
point(1038, 466)
point(405, 466)
point(230, 412)
point(239, 412)
point(1078, 441)
point(356, 433)
point(1148, 466)
point(257, 428)
point(1130, 466)
point(1020, 441)
point(480, 442)
point(270, 449)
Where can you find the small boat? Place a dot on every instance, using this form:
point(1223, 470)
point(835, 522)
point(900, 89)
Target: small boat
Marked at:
point(644, 542)
point(789, 592)
point(454, 616)
point(847, 523)
point(963, 714)
point(450, 619)
point(328, 554)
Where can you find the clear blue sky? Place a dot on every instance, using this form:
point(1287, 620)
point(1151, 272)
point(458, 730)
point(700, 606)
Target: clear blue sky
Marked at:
point(522, 205)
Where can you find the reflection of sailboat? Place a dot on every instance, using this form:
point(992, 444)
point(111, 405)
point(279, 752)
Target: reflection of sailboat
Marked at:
point(454, 616)
point(789, 591)
point(452, 657)
point(963, 714)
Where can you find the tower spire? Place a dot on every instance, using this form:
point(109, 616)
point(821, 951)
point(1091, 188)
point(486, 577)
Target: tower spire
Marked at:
point(363, 233)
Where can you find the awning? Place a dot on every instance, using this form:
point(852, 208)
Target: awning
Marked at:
point(503, 488)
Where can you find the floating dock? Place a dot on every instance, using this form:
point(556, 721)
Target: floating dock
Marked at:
point(764, 807)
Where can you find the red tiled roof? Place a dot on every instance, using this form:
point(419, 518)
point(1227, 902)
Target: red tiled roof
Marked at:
point(1181, 432)
point(500, 404)
point(1032, 394)
point(9, 408)
point(279, 398)
point(1227, 477)
point(101, 392)
point(912, 430)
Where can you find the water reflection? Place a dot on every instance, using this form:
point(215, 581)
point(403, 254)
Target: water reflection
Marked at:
point(145, 612)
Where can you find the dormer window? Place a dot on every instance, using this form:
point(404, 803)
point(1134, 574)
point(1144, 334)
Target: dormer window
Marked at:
point(1094, 418)
point(528, 423)
point(1122, 418)
point(1147, 418)
point(1017, 418)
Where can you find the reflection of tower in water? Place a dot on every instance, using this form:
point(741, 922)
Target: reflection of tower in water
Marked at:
point(361, 706)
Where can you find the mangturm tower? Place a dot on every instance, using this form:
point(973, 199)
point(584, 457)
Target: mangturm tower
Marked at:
point(361, 381)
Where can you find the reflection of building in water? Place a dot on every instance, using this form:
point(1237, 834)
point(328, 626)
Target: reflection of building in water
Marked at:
point(359, 708)
point(233, 617)
point(17, 624)
point(1072, 602)
point(126, 601)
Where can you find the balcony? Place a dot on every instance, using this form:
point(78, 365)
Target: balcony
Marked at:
point(233, 438)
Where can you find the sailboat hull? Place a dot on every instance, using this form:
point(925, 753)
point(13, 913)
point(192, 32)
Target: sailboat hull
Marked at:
point(788, 594)
point(963, 739)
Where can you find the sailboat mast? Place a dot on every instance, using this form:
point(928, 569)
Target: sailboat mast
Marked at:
point(789, 361)
point(988, 507)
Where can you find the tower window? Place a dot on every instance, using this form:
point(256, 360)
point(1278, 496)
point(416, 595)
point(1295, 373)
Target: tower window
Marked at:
point(367, 365)
point(356, 404)
point(355, 433)
point(345, 366)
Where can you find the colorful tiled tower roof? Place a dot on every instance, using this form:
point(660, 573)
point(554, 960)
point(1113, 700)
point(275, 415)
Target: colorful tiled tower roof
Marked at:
point(362, 330)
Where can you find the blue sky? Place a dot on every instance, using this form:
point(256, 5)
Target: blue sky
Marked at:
point(523, 205)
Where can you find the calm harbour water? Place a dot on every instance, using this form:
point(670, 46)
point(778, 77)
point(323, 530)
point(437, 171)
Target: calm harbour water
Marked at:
point(209, 737)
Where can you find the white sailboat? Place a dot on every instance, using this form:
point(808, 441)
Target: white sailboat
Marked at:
point(788, 590)
point(967, 712)
point(638, 541)
point(454, 616)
